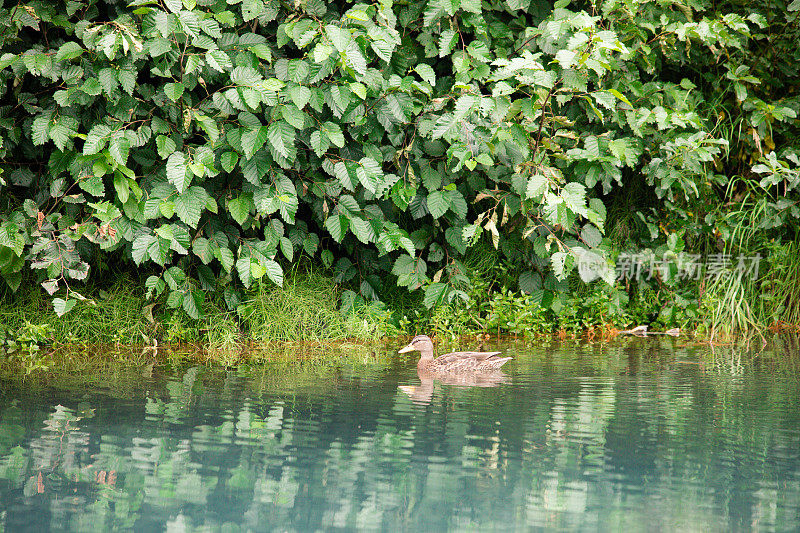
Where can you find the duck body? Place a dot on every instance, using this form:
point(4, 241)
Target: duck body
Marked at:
point(452, 362)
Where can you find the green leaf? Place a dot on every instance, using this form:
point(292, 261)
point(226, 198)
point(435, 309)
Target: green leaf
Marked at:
point(369, 173)
point(591, 236)
point(359, 89)
point(293, 116)
point(274, 272)
point(218, 60)
point(239, 208)
point(253, 140)
point(620, 96)
point(437, 204)
point(63, 130)
point(319, 143)
point(228, 161)
point(557, 261)
point(322, 52)
point(178, 172)
point(287, 248)
point(574, 195)
point(538, 184)
point(190, 205)
point(174, 90)
point(334, 133)
point(96, 139)
point(447, 40)
point(165, 146)
point(119, 147)
point(193, 303)
point(339, 37)
point(362, 230)
point(69, 50)
point(92, 185)
point(62, 307)
point(243, 269)
point(426, 72)
point(355, 59)
point(434, 294)
point(300, 95)
point(281, 138)
point(337, 226)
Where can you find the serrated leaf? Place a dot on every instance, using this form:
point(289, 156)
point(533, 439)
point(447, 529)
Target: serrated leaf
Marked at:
point(574, 195)
point(620, 96)
point(279, 134)
point(119, 147)
point(228, 161)
point(190, 205)
point(359, 89)
point(292, 115)
point(69, 50)
point(300, 95)
point(62, 307)
point(287, 249)
point(557, 261)
point(591, 236)
point(337, 226)
point(355, 59)
point(322, 52)
point(334, 133)
point(438, 204)
point(239, 208)
point(92, 185)
point(253, 140)
point(96, 139)
point(178, 172)
point(218, 60)
point(339, 37)
point(243, 269)
point(274, 272)
point(174, 90)
point(369, 173)
point(434, 294)
point(165, 146)
point(193, 303)
point(362, 230)
point(537, 185)
point(447, 40)
point(319, 143)
point(342, 174)
point(426, 72)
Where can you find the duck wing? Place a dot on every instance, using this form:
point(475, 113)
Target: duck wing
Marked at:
point(461, 356)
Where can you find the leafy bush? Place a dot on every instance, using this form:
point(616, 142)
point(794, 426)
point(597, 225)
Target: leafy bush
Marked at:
point(213, 142)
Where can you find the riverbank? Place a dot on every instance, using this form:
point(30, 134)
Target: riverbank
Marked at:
point(310, 309)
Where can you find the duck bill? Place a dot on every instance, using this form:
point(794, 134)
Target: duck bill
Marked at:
point(409, 348)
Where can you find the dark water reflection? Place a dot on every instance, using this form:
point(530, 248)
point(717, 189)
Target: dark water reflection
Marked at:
point(641, 434)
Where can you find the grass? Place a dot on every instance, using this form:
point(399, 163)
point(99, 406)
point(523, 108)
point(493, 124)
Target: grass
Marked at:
point(305, 309)
point(113, 317)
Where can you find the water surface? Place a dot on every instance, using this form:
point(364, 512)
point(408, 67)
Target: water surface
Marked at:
point(637, 435)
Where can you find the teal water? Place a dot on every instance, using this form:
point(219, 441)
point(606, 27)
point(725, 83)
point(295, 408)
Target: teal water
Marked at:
point(636, 435)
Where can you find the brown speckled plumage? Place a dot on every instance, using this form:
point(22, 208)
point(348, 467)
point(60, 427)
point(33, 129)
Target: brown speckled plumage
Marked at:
point(452, 362)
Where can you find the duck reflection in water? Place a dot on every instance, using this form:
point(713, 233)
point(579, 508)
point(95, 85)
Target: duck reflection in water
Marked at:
point(423, 393)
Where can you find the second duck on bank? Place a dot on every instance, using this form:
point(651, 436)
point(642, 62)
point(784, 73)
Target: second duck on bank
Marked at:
point(452, 362)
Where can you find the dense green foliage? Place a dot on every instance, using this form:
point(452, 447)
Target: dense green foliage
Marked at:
point(215, 142)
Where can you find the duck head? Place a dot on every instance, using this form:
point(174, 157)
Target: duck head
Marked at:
point(420, 343)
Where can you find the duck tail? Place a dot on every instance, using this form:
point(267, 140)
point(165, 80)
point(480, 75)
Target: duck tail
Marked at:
point(500, 361)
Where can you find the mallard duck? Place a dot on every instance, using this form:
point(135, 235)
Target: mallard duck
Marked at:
point(452, 362)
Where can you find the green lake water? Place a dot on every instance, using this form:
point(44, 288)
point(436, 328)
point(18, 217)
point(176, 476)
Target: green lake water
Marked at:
point(635, 435)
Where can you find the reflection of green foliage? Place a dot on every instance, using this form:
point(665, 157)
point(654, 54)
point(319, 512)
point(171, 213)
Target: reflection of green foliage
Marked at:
point(585, 432)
